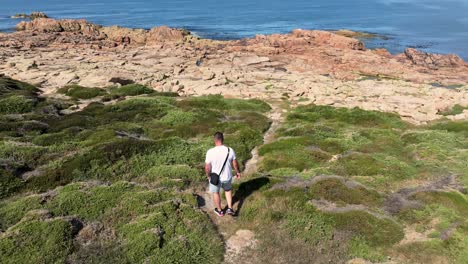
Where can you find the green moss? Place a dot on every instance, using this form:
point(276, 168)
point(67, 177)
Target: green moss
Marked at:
point(309, 225)
point(284, 172)
point(451, 126)
point(171, 175)
point(131, 90)
point(26, 154)
point(12, 210)
point(9, 184)
point(376, 231)
point(355, 116)
point(359, 248)
point(455, 110)
point(177, 117)
point(218, 102)
point(356, 164)
point(10, 86)
point(335, 190)
point(17, 104)
point(175, 233)
point(452, 199)
point(80, 92)
point(90, 204)
point(295, 157)
point(36, 241)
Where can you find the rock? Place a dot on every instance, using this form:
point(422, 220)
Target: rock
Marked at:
point(48, 25)
point(31, 16)
point(163, 33)
point(357, 34)
point(178, 70)
point(89, 233)
point(249, 60)
point(121, 81)
point(358, 261)
point(125, 35)
point(300, 38)
point(382, 52)
point(240, 241)
point(42, 25)
point(116, 34)
point(327, 38)
point(208, 75)
point(430, 60)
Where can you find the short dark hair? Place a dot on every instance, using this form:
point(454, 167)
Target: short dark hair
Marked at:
point(219, 136)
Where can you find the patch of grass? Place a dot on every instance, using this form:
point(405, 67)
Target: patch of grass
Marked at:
point(455, 110)
point(177, 117)
point(131, 90)
point(358, 248)
point(11, 211)
point(451, 126)
point(9, 86)
point(37, 241)
point(355, 116)
point(335, 190)
point(376, 231)
point(171, 175)
point(17, 104)
point(218, 102)
point(452, 199)
point(79, 92)
point(156, 225)
point(9, 184)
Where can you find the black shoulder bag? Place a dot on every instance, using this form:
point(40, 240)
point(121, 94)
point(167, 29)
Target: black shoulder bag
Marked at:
point(214, 178)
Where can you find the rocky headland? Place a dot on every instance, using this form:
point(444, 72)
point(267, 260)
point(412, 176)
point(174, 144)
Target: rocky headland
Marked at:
point(102, 148)
point(31, 16)
point(309, 66)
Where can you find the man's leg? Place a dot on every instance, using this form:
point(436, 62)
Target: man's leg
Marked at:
point(229, 198)
point(217, 200)
point(216, 197)
point(227, 186)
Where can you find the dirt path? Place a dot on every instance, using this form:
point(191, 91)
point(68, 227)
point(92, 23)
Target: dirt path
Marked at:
point(237, 240)
point(276, 115)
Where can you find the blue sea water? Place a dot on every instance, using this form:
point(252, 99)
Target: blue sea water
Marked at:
point(439, 26)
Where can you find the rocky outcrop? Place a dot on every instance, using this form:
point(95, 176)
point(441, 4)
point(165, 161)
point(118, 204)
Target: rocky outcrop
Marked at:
point(303, 66)
point(303, 38)
point(430, 60)
point(141, 36)
point(33, 15)
point(115, 34)
point(125, 35)
point(49, 25)
point(330, 39)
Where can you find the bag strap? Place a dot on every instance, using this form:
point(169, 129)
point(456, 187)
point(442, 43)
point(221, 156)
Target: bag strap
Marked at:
point(229, 149)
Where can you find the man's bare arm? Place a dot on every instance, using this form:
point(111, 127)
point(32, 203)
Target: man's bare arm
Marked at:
point(236, 167)
point(207, 169)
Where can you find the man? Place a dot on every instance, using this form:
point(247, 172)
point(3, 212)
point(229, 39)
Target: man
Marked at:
point(215, 159)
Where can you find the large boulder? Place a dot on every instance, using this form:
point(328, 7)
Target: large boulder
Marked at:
point(330, 39)
point(49, 25)
point(164, 33)
point(430, 60)
point(125, 35)
point(299, 38)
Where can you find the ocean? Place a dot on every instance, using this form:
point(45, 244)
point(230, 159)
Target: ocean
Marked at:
point(430, 25)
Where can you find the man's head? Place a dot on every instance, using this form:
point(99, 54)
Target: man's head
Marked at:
point(218, 138)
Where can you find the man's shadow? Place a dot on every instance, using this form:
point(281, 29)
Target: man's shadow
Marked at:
point(246, 189)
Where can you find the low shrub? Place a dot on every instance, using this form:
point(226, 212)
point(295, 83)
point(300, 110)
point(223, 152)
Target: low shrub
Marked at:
point(79, 92)
point(131, 90)
point(37, 241)
point(17, 104)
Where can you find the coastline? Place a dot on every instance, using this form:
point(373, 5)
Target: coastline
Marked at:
point(304, 66)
